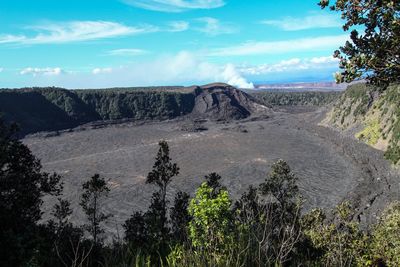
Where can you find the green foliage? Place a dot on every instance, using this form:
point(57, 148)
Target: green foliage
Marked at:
point(211, 228)
point(371, 133)
point(254, 232)
point(375, 53)
point(341, 241)
point(392, 97)
point(385, 245)
point(276, 98)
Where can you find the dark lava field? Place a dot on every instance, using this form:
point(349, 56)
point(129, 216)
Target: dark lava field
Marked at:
point(240, 151)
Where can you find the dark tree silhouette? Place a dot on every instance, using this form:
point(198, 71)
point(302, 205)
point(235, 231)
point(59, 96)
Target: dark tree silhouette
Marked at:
point(152, 228)
point(161, 175)
point(180, 217)
point(95, 190)
point(163, 171)
point(62, 211)
point(22, 186)
point(213, 181)
point(281, 183)
point(136, 231)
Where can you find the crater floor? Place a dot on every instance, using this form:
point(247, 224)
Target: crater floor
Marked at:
point(241, 152)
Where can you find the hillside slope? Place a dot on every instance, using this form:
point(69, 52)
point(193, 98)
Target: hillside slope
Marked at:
point(371, 116)
point(51, 109)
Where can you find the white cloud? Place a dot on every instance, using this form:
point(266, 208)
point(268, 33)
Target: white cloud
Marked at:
point(175, 5)
point(1, 69)
point(7, 38)
point(127, 52)
point(280, 47)
point(76, 31)
point(324, 60)
point(308, 22)
point(214, 27)
point(178, 26)
point(42, 71)
point(102, 70)
point(294, 64)
point(183, 68)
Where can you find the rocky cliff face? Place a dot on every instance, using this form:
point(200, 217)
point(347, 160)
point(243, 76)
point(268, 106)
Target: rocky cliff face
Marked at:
point(224, 102)
point(371, 116)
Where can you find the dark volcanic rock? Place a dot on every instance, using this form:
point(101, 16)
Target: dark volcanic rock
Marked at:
point(223, 102)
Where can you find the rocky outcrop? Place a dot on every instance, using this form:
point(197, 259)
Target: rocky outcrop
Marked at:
point(220, 101)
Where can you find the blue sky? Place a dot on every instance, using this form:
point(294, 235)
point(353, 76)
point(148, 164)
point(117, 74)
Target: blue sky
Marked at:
point(107, 43)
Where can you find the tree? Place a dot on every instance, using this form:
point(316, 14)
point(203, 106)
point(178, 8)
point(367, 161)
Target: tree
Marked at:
point(268, 219)
point(152, 228)
point(60, 241)
point(281, 184)
point(136, 231)
point(373, 53)
point(62, 210)
point(163, 171)
point(180, 217)
point(94, 191)
point(22, 186)
point(161, 175)
point(211, 226)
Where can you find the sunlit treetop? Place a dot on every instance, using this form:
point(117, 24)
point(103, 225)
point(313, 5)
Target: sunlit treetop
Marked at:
point(374, 50)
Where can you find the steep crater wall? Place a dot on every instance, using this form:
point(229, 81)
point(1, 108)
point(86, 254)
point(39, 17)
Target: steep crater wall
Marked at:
point(370, 115)
point(51, 109)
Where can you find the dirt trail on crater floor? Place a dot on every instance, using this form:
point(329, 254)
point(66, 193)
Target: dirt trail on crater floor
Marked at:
point(329, 166)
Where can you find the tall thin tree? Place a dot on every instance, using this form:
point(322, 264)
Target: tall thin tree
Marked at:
point(161, 175)
point(95, 190)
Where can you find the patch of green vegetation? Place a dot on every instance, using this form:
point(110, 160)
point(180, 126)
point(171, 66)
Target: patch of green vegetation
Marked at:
point(392, 97)
point(140, 105)
point(359, 101)
point(371, 133)
point(276, 98)
point(360, 96)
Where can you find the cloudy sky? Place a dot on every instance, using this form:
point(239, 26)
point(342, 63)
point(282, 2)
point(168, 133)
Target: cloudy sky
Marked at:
point(108, 43)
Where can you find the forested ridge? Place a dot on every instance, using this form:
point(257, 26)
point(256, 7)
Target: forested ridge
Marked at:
point(282, 98)
point(49, 109)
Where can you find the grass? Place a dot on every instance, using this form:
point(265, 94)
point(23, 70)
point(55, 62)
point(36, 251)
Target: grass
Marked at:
point(371, 133)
